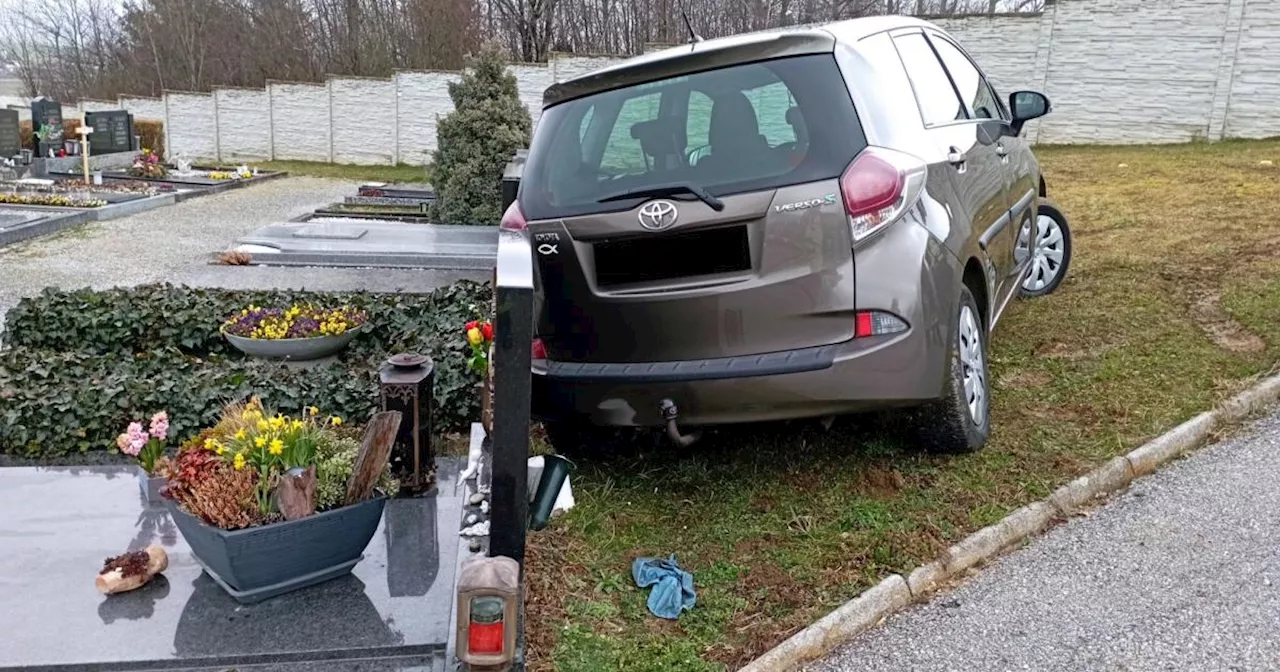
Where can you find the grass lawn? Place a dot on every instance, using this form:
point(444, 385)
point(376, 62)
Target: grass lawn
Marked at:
point(1170, 306)
point(398, 173)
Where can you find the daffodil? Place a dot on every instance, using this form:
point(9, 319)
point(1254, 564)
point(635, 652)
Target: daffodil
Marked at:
point(295, 425)
point(313, 411)
point(277, 447)
point(240, 434)
point(277, 422)
point(238, 462)
point(263, 426)
point(260, 441)
point(210, 444)
point(335, 420)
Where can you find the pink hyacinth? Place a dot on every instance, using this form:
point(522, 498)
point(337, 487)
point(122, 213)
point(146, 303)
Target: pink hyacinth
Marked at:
point(122, 442)
point(137, 438)
point(160, 425)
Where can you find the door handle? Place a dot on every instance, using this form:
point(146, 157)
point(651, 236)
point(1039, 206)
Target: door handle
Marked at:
point(955, 157)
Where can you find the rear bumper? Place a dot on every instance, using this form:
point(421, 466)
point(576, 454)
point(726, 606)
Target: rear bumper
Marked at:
point(906, 271)
point(859, 375)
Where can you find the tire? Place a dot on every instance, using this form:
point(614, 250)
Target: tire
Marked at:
point(1052, 256)
point(947, 425)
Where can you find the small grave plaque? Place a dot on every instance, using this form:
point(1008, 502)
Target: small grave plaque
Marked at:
point(329, 232)
point(112, 131)
point(47, 112)
point(10, 136)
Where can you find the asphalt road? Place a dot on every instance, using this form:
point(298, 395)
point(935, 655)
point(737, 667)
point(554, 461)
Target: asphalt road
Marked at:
point(1182, 572)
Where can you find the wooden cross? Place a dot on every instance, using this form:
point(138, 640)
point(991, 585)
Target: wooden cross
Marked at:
point(84, 132)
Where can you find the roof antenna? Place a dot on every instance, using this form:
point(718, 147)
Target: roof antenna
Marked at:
point(693, 37)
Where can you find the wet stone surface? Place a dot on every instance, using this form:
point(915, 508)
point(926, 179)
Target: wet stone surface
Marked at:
point(57, 525)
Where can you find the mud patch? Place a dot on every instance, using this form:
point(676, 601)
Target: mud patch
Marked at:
point(1208, 314)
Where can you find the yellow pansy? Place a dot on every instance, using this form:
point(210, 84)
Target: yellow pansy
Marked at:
point(277, 447)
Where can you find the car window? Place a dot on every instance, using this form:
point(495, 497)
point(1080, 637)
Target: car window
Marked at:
point(622, 152)
point(969, 81)
point(730, 130)
point(771, 103)
point(934, 93)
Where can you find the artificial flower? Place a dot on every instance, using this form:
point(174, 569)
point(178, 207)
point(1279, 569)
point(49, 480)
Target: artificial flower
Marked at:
point(474, 337)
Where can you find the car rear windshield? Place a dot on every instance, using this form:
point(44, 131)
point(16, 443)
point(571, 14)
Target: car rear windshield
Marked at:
point(743, 128)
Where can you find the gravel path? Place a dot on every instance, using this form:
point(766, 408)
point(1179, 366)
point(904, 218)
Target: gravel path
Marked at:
point(1180, 573)
point(157, 245)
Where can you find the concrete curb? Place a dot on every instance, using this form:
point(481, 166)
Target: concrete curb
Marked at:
point(896, 592)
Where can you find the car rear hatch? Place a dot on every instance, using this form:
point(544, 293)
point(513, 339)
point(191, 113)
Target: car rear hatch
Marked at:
point(694, 216)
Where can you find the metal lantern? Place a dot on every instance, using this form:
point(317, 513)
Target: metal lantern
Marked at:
point(405, 385)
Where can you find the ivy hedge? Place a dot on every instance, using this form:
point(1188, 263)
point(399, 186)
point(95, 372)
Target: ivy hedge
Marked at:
point(78, 365)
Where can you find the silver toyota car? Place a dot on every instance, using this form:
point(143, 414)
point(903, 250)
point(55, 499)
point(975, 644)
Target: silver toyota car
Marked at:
point(787, 224)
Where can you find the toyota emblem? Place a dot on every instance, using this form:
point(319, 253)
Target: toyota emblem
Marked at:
point(658, 215)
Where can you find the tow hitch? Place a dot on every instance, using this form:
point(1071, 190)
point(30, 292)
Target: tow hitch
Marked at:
point(670, 412)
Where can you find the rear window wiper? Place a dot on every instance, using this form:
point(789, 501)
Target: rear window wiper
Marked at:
point(669, 190)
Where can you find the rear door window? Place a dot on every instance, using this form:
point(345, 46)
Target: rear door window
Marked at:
point(934, 93)
point(969, 81)
point(731, 130)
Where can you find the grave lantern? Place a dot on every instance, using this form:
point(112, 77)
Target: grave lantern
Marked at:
point(488, 595)
point(405, 383)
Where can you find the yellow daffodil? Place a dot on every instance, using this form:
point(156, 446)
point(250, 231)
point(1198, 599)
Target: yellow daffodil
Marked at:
point(295, 425)
point(210, 444)
point(238, 462)
point(335, 420)
point(277, 422)
point(260, 441)
point(313, 411)
point(277, 447)
point(220, 449)
point(263, 426)
point(240, 434)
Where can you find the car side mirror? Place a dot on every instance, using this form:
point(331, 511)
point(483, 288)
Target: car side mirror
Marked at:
point(1027, 105)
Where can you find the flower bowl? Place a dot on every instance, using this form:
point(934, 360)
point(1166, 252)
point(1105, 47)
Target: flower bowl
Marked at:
point(257, 563)
point(293, 349)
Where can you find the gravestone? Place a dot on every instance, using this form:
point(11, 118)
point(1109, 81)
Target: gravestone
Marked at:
point(46, 111)
point(112, 131)
point(10, 136)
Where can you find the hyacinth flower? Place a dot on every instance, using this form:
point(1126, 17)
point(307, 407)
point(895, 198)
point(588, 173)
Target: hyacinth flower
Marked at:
point(145, 444)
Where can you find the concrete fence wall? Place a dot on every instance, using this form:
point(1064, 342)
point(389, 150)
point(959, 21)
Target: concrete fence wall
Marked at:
point(1117, 71)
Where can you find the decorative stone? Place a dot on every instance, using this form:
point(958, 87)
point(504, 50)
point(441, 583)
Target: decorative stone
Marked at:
point(477, 498)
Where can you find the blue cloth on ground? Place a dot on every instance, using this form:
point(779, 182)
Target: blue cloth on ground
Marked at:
point(672, 586)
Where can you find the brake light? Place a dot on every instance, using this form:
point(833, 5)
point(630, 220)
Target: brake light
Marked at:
point(539, 349)
point(876, 323)
point(513, 219)
point(878, 187)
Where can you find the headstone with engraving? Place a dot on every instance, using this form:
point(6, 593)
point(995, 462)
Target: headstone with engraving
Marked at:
point(10, 136)
point(112, 131)
point(46, 112)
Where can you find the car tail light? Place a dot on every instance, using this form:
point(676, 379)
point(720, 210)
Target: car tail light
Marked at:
point(539, 350)
point(513, 219)
point(878, 186)
point(876, 323)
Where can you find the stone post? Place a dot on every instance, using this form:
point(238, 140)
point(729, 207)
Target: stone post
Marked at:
point(405, 383)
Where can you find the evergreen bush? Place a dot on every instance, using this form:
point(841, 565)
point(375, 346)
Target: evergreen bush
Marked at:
point(476, 141)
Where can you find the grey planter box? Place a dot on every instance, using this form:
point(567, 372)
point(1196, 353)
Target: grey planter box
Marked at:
point(257, 563)
point(150, 487)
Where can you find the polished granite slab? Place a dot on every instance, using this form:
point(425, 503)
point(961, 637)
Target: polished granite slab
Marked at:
point(58, 524)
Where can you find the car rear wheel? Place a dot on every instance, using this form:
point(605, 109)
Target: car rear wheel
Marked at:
point(960, 421)
point(1051, 254)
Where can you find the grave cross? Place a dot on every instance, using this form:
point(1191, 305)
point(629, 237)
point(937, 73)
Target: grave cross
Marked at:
point(84, 132)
